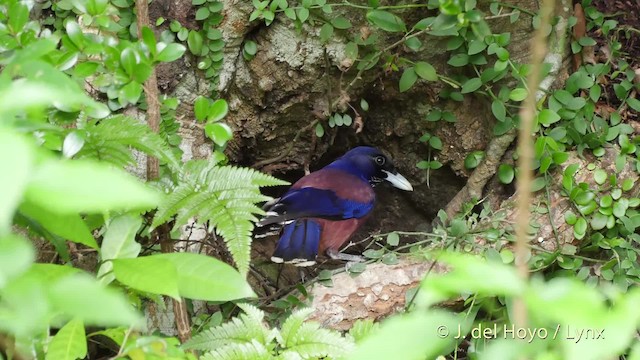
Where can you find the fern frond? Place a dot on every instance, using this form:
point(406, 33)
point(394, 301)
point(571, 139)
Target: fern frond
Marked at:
point(252, 350)
point(291, 325)
point(121, 132)
point(245, 329)
point(225, 196)
point(312, 341)
point(363, 328)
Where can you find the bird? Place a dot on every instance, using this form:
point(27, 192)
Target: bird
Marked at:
point(320, 212)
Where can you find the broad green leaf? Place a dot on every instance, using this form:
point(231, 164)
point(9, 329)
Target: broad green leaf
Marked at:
point(68, 226)
point(16, 255)
point(518, 94)
point(547, 117)
point(206, 278)
point(499, 110)
point(386, 21)
point(326, 32)
point(194, 41)
point(80, 296)
point(202, 13)
point(403, 337)
point(218, 110)
point(70, 187)
point(341, 23)
point(128, 60)
point(15, 165)
point(426, 71)
point(393, 239)
point(220, 133)
point(506, 173)
point(600, 176)
point(471, 85)
point(499, 279)
point(407, 79)
point(119, 242)
point(580, 228)
point(69, 343)
point(201, 107)
point(149, 274)
point(319, 130)
point(170, 52)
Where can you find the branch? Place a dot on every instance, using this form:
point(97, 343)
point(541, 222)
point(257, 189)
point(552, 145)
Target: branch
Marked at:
point(526, 154)
point(153, 169)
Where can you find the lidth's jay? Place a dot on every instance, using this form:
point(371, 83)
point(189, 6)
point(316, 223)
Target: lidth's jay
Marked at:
point(322, 210)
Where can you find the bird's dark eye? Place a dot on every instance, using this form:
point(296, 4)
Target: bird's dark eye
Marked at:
point(380, 160)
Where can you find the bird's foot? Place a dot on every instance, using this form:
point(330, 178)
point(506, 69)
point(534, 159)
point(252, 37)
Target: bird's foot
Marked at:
point(335, 255)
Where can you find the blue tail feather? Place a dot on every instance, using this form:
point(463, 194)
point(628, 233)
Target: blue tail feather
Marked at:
point(298, 243)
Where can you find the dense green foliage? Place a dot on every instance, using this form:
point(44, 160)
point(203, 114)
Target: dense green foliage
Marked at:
point(64, 141)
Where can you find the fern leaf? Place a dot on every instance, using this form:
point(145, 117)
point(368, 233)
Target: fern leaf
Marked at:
point(312, 341)
point(225, 196)
point(122, 132)
point(361, 329)
point(246, 328)
point(292, 324)
point(252, 350)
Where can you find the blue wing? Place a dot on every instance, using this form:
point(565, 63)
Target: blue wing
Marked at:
point(298, 243)
point(312, 202)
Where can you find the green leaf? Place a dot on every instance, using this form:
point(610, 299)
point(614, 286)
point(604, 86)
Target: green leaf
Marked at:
point(128, 60)
point(580, 228)
point(319, 130)
point(506, 173)
point(386, 21)
point(599, 221)
point(341, 23)
point(303, 14)
point(402, 337)
point(570, 217)
point(150, 274)
point(393, 239)
point(171, 52)
point(75, 34)
point(547, 117)
point(71, 187)
point(472, 160)
point(220, 133)
point(69, 343)
point(518, 94)
point(326, 32)
point(68, 226)
point(203, 277)
point(251, 47)
point(471, 85)
point(15, 165)
point(499, 110)
point(16, 255)
point(218, 110)
point(435, 142)
point(80, 296)
point(407, 79)
point(201, 107)
point(600, 176)
point(194, 41)
point(119, 242)
point(426, 71)
point(202, 13)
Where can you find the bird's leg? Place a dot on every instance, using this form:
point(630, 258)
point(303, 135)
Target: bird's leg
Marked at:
point(336, 255)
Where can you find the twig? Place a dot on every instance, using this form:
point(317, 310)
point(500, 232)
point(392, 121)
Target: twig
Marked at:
point(153, 169)
point(526, 155)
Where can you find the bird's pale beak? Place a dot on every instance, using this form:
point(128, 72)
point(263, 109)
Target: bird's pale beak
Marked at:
point(398, 181)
